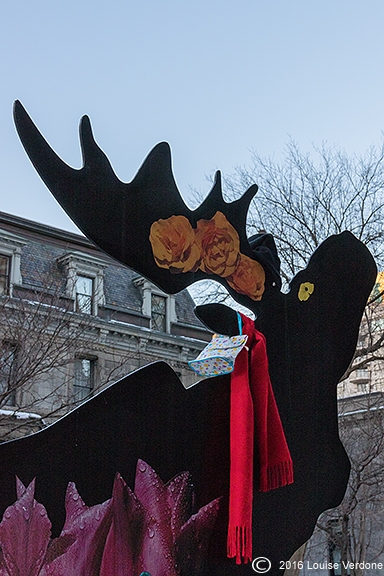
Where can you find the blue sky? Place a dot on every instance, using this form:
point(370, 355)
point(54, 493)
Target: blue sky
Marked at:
point(215, 79)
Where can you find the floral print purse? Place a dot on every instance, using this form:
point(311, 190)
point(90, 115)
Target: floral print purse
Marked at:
point(219, 356)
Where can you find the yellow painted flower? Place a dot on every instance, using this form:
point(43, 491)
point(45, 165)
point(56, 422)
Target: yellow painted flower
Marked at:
point(305, 290)
point(174, 244)
point(248, 278)
point(220, 245)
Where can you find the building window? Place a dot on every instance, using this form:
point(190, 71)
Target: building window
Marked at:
point(85, 281)
point(84, 294)
point(338, 537)
point(377, 293)
point(4, 274)
point(361, 377)
point(10, 259)
point(8, 357)
point(84, 378)
point(334, 559)
point(158, 306)
point(158, 313)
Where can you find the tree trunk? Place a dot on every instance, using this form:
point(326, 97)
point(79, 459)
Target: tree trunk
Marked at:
point(295, 561)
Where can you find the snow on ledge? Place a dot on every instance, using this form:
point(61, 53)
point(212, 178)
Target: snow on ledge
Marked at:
point(20, 415)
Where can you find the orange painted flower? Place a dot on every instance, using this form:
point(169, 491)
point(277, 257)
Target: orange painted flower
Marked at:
point(248, 278)
point(214, 248)
point(174, 244)
point(220, 245)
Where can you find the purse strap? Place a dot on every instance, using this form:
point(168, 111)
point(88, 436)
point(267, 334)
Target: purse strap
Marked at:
point(240, 323)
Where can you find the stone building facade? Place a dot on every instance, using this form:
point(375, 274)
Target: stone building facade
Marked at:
point(72, 320)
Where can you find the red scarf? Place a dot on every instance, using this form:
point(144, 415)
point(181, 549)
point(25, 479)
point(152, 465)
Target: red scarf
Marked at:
point(253, 411)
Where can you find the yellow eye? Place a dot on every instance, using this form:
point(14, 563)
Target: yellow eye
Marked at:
point(305, 290)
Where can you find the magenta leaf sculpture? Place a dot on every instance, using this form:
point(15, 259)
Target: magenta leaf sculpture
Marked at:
point(24, 534)
point(149, 531)
point(158, 543)
point(88, 528)
point(123, 544)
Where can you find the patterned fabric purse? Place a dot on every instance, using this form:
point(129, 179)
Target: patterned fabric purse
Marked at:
point(219, 356)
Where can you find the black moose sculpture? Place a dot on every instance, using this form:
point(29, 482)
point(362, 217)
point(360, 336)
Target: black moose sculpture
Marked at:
point(311, 334)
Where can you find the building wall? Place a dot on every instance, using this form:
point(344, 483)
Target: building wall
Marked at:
point(122, 324)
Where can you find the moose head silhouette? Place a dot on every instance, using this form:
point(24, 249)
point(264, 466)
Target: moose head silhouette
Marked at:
point(311, 334)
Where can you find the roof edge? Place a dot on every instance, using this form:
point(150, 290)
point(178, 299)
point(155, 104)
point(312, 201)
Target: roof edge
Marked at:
point(51, 231)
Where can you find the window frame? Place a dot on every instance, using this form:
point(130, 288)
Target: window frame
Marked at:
point(88, 306)
point(147, 290)
point(11, 247)
point(79, 387)
point(156, 315)
point(88, 266)
point(6, 276)
point(11, 347)
point(334, 550)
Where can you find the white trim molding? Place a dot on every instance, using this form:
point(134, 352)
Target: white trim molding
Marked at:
point(11, 246)
point(147, 289)
point(82, 264)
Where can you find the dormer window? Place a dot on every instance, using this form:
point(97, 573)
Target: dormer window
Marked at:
point(10, 255)
point(158, 312)
point(85, 281)
point(84, 294)
point(5, 265)
point(157, 305)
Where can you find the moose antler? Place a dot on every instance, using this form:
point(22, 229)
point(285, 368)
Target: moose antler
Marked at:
point(118, 216)
point(311, 334)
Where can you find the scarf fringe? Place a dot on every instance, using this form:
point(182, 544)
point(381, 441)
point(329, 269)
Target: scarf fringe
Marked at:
point(239, 543)
point(276, 476)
